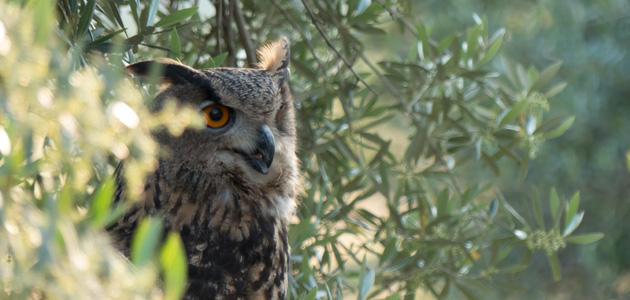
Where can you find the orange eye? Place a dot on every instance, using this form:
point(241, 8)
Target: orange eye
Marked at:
point(216, 116)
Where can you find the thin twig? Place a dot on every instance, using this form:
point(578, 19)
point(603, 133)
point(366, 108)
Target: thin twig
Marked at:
point(306, 40)
point(229, 35)
point(244, 33)
point(414, 119)
point(397, 15)
point(332, 47)
point(219, 8)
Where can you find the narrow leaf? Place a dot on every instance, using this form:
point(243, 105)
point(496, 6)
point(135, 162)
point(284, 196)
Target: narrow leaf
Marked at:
point(561, 129)
point(554, 263)
point(545, 76)
point(174, 267)
point(176, 17)
point(493, 49)
point(101, 202)
point(153, 8)
point(555, 90)
point(572, 209)
point(145, 241)
point(512, 114)
point(585, 238)
point(86, 17)
point(575, 222)
point(363, 5)
point(176, 47)
point(311, 294)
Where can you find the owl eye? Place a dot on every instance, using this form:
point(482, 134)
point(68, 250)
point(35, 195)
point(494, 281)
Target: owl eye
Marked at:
point(216, 116)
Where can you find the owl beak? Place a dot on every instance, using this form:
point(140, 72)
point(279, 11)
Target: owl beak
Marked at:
point(262, 157)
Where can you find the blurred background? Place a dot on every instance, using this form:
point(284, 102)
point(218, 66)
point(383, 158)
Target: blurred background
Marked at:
point(592, 39)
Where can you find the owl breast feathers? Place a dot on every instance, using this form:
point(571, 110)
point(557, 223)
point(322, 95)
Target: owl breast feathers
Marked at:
point(230, 188)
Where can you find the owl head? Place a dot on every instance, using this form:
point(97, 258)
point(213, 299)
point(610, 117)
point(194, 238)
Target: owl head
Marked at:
point(249, 115)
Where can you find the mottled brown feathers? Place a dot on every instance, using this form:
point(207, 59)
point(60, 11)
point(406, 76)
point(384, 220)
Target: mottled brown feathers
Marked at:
point(232, 216)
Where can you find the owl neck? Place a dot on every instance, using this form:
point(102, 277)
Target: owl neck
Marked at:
point(222, 202)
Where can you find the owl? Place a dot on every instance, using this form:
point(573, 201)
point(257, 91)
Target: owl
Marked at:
point(230, 188)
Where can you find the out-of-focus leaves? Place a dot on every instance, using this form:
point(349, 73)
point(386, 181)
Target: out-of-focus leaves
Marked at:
point(86, 17)
point(174, 266)
point(366, 280)
point(493, 49)
point(145, 241)
point(101, 202)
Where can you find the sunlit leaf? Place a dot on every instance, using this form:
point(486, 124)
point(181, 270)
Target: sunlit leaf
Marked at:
point(575, 222)
point(174, 266)
point(572, 209)
point(363, 5)
point(101, 202)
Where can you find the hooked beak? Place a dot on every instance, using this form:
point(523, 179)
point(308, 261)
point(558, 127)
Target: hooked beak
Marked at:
point(262, 157)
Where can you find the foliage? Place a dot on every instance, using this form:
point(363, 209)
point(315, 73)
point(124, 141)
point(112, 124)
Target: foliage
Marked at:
point(385, 210)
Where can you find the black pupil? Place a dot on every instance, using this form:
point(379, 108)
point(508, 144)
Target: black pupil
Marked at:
point(215, 114)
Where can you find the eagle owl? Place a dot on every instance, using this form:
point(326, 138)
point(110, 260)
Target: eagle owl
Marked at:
point(228, 189)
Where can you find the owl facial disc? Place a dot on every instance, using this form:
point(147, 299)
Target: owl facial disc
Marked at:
point(261, 158)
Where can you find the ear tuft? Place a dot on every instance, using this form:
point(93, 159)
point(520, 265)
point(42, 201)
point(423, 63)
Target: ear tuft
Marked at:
point(275, 56)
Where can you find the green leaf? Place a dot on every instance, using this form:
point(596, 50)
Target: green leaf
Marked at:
point(366, 280)
point(363, 5)
point(176, 17)
point(101, 202)
point(86, 18)
point(554, 263)
point(572, 209)
point(512, 114)
point(311, 294)
point(585, 238)
point(153, 8)
point(145, 241)
point(628, 160)
point(545, 76)
point(555, 90)
point(575, 222)
point(511, 73)
point(176, 47)
point(174, 267)
point(493, 49)
point(43, 20)
point(560, 130)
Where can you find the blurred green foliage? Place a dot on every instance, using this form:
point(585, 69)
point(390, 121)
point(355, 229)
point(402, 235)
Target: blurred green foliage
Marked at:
point(394, 112)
